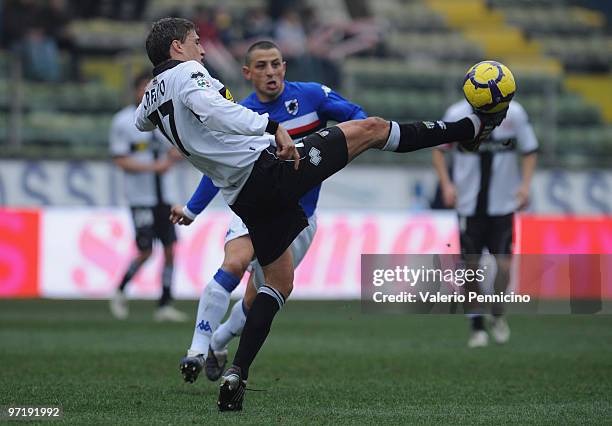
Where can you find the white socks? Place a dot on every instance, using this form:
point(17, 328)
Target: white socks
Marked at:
point(476, 122)
point(394, 138)
point(230, 328)
point(213, 304)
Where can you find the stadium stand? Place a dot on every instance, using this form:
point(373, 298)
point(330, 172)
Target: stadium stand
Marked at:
point(408, 65)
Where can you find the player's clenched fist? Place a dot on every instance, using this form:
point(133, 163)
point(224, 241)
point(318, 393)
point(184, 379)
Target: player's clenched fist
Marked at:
point(178, 216)
point(285, 147)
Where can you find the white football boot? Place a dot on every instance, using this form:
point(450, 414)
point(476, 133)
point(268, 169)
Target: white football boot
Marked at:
point(170, 314)
point(500, 330)
point(478, 339)
point(118, 305)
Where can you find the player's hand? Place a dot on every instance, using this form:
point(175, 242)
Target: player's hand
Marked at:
point(522, 195)
point(177, 216)
point(174, 155)
point(285, 147)
point(449, 195)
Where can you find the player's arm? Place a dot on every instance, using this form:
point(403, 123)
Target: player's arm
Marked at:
point(528, 165)
point(336, 107)
point(131, 165)
point(201, 198)
point(218, 113)
point(142, 121)
point(223, 115)
point(528, 146)
point(449, 193)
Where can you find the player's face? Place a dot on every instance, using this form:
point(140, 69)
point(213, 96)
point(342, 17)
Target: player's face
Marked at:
point(192, 50)
point(267, 73)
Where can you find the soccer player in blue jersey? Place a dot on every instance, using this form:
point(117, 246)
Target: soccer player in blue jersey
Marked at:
point(302, 108)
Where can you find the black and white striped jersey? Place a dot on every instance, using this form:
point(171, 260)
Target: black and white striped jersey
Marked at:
point(140, 188)
point(487, 181)
point(219, 137)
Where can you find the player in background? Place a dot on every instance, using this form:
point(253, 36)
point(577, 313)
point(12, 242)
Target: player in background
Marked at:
point(486, 189)
point(260, 171)
point(144, 158)
point(302, 108)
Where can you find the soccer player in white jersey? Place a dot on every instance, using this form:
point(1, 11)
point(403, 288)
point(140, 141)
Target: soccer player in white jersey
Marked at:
point(303, 109)
point(486, 188)
point(144, 158)
point(261, 172)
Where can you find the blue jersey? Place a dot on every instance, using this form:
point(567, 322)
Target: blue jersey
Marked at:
point(302, 108)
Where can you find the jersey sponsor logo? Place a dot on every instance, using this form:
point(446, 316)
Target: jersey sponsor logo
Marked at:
point(292, 106)
point(315, 155)
point(498, 145)
point(326, 90)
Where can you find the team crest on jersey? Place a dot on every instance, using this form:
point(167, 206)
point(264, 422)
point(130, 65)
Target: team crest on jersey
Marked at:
point(292, 106)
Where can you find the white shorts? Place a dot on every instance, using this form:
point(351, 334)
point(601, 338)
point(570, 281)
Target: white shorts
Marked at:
point(298, 247)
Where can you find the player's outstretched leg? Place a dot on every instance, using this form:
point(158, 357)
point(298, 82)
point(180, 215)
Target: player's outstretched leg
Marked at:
point(375, 132)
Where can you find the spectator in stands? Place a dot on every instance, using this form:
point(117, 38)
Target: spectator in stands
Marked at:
point(28, 36)
point(205, 22)
point(290, 33)
point(214, 28)
point(257, 25)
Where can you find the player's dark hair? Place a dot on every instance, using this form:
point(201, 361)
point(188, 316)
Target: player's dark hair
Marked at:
point(162, 34)
point(260, 45)
point(140, 77)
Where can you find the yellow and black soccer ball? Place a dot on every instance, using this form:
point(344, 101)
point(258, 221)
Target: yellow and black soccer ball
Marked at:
point(489, 86)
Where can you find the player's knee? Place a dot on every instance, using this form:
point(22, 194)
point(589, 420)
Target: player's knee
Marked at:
point(235, 266)
point(144, 254)
point(375, 127)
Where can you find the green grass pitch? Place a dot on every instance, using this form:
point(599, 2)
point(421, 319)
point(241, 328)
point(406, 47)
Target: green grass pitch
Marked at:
point(323, 363)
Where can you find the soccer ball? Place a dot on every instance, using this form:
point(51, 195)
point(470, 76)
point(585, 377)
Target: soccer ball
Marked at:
point(489, 86)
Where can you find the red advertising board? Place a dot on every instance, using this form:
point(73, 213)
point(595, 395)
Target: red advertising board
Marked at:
point(19, 247)
point(565, 257)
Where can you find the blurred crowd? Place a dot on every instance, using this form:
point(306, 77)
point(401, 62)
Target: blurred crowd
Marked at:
point(39, 32)
point(312, 49)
